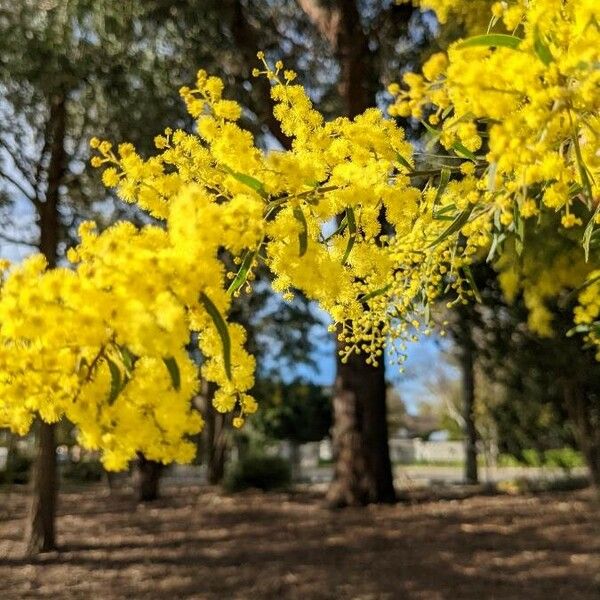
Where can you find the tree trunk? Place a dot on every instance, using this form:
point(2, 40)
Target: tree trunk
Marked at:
point(584, 415)
point(147, 479)
point(216, 438)
point(363, 472)
point(468, 384)
point(217, 446)
point(39, 529)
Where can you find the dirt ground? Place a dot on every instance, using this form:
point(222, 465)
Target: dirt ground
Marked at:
point(199, 543)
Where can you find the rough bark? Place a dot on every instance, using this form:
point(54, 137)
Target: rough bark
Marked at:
point(39, 529)
point(468, 386)
point(147, 479)
point(363, 472)
point(247, 40)
point(216, 438)
point(584, 413)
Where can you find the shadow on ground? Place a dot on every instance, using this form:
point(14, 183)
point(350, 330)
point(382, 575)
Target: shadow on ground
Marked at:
point(199, 543)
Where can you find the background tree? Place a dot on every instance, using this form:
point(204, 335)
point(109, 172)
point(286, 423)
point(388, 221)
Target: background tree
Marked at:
point(72, 70)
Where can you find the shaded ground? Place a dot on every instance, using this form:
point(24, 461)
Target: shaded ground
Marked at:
point(197, 543)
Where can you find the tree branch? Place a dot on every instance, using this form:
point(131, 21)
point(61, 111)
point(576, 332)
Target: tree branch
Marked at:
point(19, 161)
point(12, 240)
point(15, 183)
point(325, 20)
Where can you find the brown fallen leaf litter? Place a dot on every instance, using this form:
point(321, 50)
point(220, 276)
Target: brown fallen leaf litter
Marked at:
point(197, 542)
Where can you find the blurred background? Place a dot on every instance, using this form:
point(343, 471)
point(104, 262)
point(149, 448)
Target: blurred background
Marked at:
point(488, 410)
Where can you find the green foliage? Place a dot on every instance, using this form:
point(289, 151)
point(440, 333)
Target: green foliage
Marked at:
point(565, 458)
point(297, 411)
point(258, 471)
point(18, 467)
point(84, 471)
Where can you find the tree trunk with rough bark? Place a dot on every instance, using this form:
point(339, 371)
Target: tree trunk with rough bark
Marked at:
point(216, 438)
point(363, 471)
point(584, 413)
point(39, 530)
point(468, 386)
point(147, 479)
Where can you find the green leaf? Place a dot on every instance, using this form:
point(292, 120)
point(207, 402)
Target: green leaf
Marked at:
point(520, 231)
point(435, 132)
point(588, 232)
point(303, 235)
point(350, 219)
point(403, 161)
point(469, 274)
point(115, 380)
point(375, 293)
point(343, 224)
point(442, 213)
point(444, 179)
point(128, 358)
point(242, 273)
point(496, 240)
point(582, 328)
point(173, 369)
point(250, 181)
point(541, 49)
point(222, 330)
point(459, 222)
point(462, 150)
point(427, 313)
point(495, 40)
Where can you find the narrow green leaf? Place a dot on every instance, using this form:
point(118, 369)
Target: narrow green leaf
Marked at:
point(435, 132)
point(469, 274)
point(462, 150)
point(444, 179)
point(442, 213)
point(303, 235)
point(582, 328)
point(520, 231)
point(222, 330)
point(115, 380)
point(242, 273)
point(250, 181)
point(496, 240)
point(351, 220)
point(173, 369)
point(541, 49)
point(492, 40)
point(128, 358)
point(588, 232)
point(343, 224)
point(459, 222)
point(375, 293)
point(427, 313)
point(403, 161)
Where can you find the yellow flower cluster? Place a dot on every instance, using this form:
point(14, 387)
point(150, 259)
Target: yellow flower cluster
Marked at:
point(525, 106)
point(338, 216)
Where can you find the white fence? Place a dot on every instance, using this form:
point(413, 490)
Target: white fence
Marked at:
point(416, 450)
